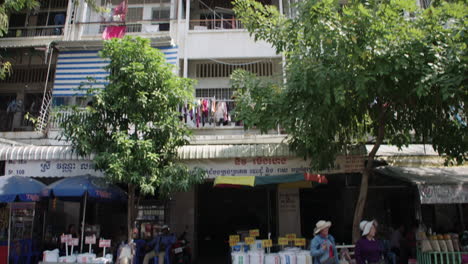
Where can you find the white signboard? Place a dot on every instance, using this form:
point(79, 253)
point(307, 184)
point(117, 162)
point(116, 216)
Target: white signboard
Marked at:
point(37, 168)
point(269, 166)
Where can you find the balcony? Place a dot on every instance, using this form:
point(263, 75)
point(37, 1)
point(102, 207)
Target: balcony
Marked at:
point(36, 31)
point(142, 27)
point(29, 74)
point(216, 24)
point(194, 119)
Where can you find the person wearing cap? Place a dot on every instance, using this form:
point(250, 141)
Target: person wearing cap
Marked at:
point(368, 250)
point(322, 246)
point(162, 243)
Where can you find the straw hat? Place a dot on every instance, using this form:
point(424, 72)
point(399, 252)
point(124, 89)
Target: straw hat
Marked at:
point(366, 227)
point(322, 224)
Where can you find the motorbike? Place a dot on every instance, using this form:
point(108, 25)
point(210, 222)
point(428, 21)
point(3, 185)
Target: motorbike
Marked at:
point(181, 252)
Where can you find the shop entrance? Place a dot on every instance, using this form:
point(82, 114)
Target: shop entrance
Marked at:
point(226, 211)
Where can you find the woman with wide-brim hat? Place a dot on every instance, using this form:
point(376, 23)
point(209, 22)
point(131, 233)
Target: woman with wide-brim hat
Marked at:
point(368, 250)
point(322, 246)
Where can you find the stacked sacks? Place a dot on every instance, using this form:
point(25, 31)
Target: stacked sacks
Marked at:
point(240, 258)
point(304, 257)
point(50, 256)
point(256, 257)
point(288, 257)
point(443, 246)
point(86, 258)
point(449, 243)
point(67, 259)
point(272, 258)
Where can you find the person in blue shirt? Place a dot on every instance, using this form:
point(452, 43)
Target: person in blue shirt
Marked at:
point(322, 246)
point(161, 244)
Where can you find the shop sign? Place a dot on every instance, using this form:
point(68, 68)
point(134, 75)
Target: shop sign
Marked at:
point(234, 238)
point(232, 243)
point(300, 242)
point(268, 243)
point(90, 239)
point(74, 242)
point(104, 243)
point(65, 238)
point(254, 233)
point(283, 241)
point(250, 240)
point(443, 194)
point(291, 237)
point(270, 166)
point(63, 168)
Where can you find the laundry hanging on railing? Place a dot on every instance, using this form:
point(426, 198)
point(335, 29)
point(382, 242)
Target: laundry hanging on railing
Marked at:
point(119, 13)
point(206, 112)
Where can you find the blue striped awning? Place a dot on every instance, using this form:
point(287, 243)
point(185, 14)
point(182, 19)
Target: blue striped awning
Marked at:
point(85, 69)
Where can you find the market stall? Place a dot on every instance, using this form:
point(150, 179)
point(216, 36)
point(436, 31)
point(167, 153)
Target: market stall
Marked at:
point(18, 217)
point(83, 189)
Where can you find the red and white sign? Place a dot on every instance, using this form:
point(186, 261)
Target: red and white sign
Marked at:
point(74, 242)
point(104, 243)
point(90, 239)
point(65, 238)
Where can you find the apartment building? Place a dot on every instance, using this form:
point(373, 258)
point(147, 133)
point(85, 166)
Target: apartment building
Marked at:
point(53, 51)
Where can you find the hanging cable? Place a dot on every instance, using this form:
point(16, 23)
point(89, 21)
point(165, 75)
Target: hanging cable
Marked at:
point(239, 64)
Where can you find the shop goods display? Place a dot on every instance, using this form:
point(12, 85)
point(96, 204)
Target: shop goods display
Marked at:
point(456, 242)
point(67, 259)
point(256, 257)
point(442, 244)
point(288, 257)
point(256, 246)
point(50, 255)
point(240, 258)
point(272, 258)
point(304, 257)
point(86, 258)
point(241, 247)
point(449, 243)
point(434, 243)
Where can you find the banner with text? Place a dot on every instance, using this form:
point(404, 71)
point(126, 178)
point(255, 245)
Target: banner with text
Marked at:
point(269, 166)
point(63, 168)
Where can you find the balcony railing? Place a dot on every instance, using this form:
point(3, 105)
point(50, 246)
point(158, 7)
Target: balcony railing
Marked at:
point(58, 116)
point(216, 24)
point(141, 26)
point(36, 31)
point(9, 121)
point(29, 74)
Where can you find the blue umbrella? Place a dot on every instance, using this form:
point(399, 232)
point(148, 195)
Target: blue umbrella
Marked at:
point(95, 188)
point(24, 189)
point(86, 187)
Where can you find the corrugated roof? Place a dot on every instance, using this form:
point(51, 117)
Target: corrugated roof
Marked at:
point(185, 152)
point(27, 42)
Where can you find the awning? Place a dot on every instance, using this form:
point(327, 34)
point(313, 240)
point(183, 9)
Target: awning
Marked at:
point(447, 185)
point(75, 68)
point(189, 152)
point(305, 180)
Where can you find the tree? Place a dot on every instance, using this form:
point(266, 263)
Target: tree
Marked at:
point(133, 125)
point(381, 69)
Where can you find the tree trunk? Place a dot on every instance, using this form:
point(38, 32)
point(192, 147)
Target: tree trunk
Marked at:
point(130, 211)
point(361, 202)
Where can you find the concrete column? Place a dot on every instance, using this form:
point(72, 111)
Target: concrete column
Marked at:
point(289, 211)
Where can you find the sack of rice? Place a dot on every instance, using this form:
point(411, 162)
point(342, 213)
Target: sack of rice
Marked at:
point(434, 243)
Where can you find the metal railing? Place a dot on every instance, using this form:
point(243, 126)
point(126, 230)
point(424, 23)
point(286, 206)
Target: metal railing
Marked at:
point(7, 121)
point(435, 257)
point(140, 26)
point(35, 31)
point(28, 74)
point(216, 24)
point(59, 116)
